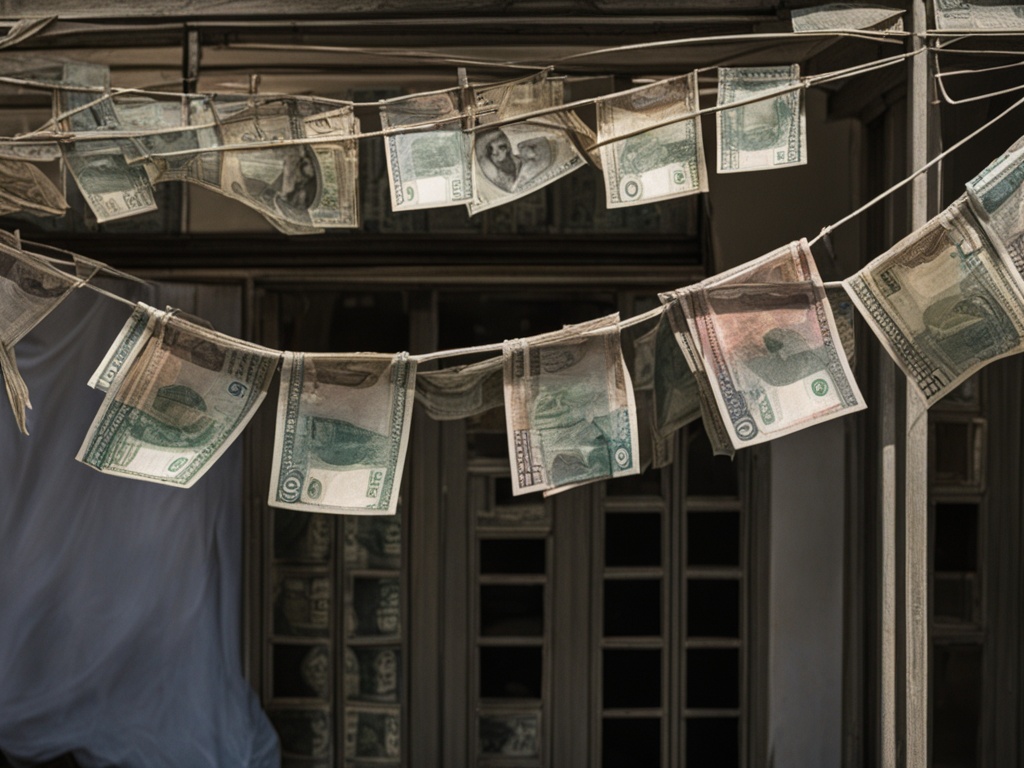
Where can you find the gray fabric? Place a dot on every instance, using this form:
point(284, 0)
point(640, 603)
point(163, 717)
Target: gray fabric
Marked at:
point(119, 599)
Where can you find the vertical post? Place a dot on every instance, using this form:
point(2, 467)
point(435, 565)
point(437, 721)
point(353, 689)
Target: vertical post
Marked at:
point(915, 497)
point(190, 54)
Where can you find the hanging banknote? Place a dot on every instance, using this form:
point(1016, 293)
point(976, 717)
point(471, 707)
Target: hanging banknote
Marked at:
point(300, 188)
point(844, 313)
point(996, 197)
point(942, 302)
point(29, 290)
point(661, 162)
point(569, 408)
point(177, 403)
point(511, 161)
point(769, 133)
point(112, 188)
point(137, 328)
point(24, 187)
point(462, 391)
point(342, 432)
point(836, 17)
point(427, 168)
point(978, 14)
point(770, 347)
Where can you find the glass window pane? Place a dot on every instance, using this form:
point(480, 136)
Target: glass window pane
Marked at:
point(512, 610)
point(302, 604)
point(954, 600)
point(373, 674)
point(510, 735)
point(957, 705)
point(632, 678)
point(713, 742)
point(373, 542)
point(373, 734)
point(713, 538)
point(956, 537)
point(647, 483)
point(707, 474)
point(304, 733)
point(632, 539)
point(302, 671)
point(302, 536)
point(712, 678)
point(713, 608)
point(631, 743)
point(511, 673)
point(513, 556)
point(632, 607)
point(374, 610)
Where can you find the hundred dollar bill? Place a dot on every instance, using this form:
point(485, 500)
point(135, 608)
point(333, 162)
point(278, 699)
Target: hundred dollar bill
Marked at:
point(569, 409)
point(511, 161)
point(178, 404)
point(427, 168)
point(30, 289)
point(112, 188)
point(342, 432)
point(942, 302)
point(462, 391)
point(996, 197)
point(30, 152)
point(843, 16)
point(771, 347)
point(771, 133)
point(25, 187)
point(660, 163)
point(978, 14)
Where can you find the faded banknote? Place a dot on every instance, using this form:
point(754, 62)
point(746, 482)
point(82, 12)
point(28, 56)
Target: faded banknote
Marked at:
point(569, 408)
point(770, 133)
point(300, 188)
point(342, 432)
point(942, 302)
point(29, 290)
point(462, 391)
point(428, 168)
point(662, 162)
point(978, 14)
point(26, 188)
point(996, 196)
point(771, 348)
point(844, 314)
point(842, 16)
point(513, 160)
point(112, 188)
point(137, 328)
point(177, 403)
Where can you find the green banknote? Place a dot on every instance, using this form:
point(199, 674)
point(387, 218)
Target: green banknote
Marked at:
point(978, 15)
point(177, 404)
point(942, 302)
point(427, 168)
point(996, 197)
point(569, 408)
point(660, 162)
point(342, 432)
point(462, 391)
point(769, 133)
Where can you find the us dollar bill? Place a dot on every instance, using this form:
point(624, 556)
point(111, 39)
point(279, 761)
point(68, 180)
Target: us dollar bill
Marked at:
point(942, 302)
point(844, 313)
point(177, 405)
point(427, 168)
point(978, 14)
point(834, 17)
point(511, 161)
point(569, 409)
point(26, 188)
point(137, 329)
point(996, 197)
point(30, 288)
point(714, 424)
point(342, 432)
point(771, 133)
point(661, 163)
point(462, 391)
point(112, 188)
point(771, 347)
